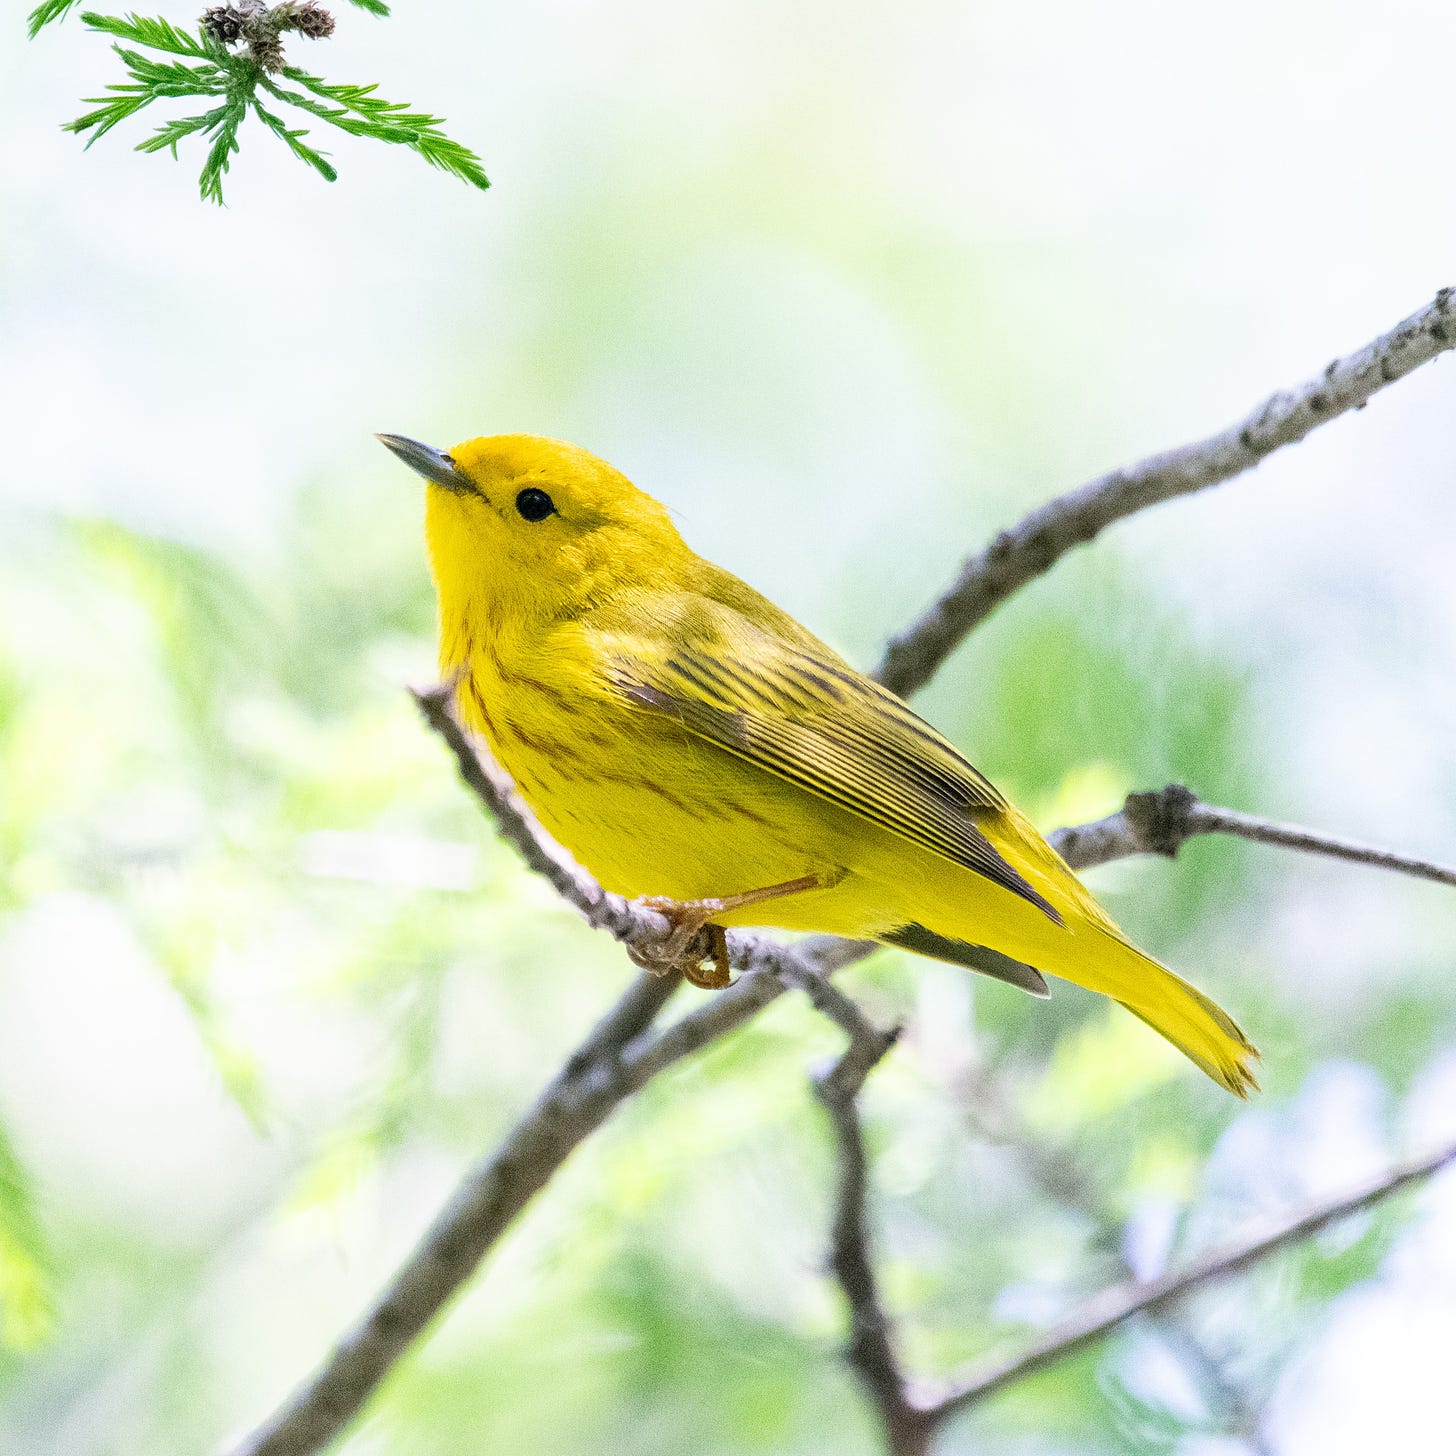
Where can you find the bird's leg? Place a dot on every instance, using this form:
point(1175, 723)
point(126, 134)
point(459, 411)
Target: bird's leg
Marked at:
point(688, 917)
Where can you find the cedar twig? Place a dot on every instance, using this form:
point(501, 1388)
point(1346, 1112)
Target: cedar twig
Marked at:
point(229, 67)
point(1032, 546)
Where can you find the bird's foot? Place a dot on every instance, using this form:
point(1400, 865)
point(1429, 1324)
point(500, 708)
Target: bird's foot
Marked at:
point(681, 951)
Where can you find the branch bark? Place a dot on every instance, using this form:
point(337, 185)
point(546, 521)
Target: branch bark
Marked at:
point(1039, 540)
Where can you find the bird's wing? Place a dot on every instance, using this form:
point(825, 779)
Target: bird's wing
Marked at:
point(796, 711)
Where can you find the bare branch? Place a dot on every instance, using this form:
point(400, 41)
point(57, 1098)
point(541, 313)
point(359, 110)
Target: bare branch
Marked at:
point(1039, 540)
point(1058, 1173)
point(1161, 822)
point(614, 1061)
point(576, 1101)
point(1114, 1307)
point(622, 1054)
point(870, 1350)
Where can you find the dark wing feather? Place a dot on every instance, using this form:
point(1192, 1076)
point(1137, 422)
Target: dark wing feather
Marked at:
point(977, 957)
point(820, 725)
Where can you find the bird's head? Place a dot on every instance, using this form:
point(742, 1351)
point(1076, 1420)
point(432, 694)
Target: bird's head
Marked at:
point(529, 529)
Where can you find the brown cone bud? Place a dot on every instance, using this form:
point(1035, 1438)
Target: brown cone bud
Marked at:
point(312, 20)
point(223, 23)
point(267, 51)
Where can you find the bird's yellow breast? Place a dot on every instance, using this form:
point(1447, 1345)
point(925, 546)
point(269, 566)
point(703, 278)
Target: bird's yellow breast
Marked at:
point(647, 807)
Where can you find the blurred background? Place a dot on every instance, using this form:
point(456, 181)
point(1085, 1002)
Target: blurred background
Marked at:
point(849, 288)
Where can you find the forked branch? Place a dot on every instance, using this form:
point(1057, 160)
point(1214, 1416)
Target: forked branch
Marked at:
point(910, 1425)
point(624, 1052)
point(616, 1059)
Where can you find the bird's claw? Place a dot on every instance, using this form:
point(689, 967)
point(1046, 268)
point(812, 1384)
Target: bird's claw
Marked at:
point(705, 966)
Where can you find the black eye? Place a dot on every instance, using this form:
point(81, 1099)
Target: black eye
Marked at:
point(534, 505)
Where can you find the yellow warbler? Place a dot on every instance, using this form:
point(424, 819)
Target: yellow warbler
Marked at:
point(689, 741)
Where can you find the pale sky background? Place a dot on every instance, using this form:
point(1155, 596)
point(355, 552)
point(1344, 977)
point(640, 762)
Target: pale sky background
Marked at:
point(848, 287)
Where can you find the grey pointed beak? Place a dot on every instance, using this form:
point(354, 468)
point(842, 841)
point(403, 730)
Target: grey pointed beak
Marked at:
point(433, 464)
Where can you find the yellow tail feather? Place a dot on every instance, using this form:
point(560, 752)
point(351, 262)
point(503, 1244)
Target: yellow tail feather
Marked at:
point(1204, 1033)
point(1198, 1026)
point(1098, 956)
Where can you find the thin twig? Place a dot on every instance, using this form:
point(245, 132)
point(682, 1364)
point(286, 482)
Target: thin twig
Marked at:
point(1056, 1172)
point(1162, 821)
point(1116, 1306)
point(870, 1349)
point(1207, 819)
point(1032, 546)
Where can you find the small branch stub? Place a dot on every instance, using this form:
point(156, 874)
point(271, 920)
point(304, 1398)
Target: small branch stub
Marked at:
point(1160, 821)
